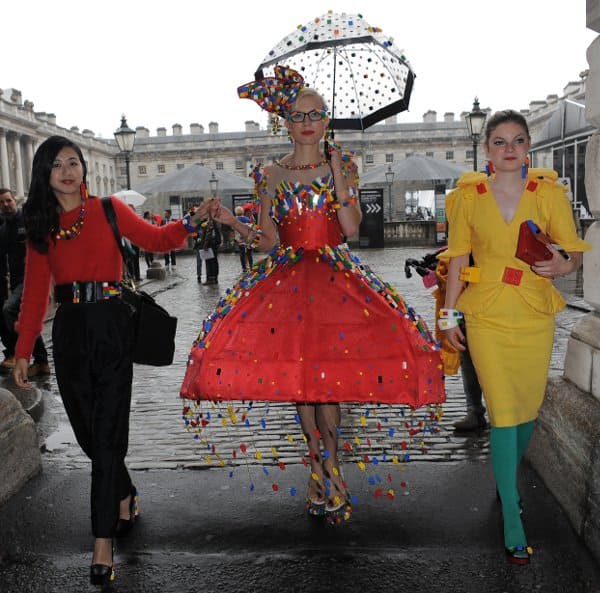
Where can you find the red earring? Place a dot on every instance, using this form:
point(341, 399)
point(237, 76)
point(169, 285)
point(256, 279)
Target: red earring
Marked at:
point(489, 169)
point(83, 191)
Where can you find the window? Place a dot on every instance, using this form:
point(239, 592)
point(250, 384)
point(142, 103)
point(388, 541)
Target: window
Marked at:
point(161, 168)
point(369, 159)
point(558, 161)
point(219, 165)
point(389, 158)
point(470, 154)
point(449, 155)
point(429, 154)
point(239, 165)
point(142, 170)
point(123, 171)
point(180, 166)
point(187, 203)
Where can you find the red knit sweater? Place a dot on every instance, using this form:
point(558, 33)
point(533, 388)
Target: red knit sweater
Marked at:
point(91, 256)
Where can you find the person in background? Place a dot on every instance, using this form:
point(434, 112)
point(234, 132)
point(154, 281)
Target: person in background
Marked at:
point(245, 250)
point(148, 255)
point(12, 251)
point(71, 246)
point(8, 364)
point(170, 257)
point(196, 247)
point(206, 246)
point(434, 269)
point(474, 419)
point(133, 256)
point(508, 306)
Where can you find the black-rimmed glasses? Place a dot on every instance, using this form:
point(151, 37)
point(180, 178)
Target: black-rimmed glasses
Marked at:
point(298, 117)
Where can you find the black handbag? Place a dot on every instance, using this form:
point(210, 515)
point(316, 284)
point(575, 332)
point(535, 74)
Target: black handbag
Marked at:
point(154, 327)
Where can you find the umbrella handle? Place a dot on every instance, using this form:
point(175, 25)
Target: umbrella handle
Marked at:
point(326, 145)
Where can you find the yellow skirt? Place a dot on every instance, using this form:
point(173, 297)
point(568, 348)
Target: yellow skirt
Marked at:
point(511, 344)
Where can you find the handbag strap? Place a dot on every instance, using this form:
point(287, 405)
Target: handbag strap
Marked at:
point(111, 216)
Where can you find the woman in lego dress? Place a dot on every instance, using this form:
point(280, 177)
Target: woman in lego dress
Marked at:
point(308, 324)
point(508, 305)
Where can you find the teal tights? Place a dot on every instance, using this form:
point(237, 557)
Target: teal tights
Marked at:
point(508, 446)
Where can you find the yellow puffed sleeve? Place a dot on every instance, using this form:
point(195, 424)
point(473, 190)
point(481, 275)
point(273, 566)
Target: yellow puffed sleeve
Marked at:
point(561, 224)
point(459, 211)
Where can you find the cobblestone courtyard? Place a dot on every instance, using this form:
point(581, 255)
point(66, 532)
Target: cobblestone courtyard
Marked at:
point(158, 438)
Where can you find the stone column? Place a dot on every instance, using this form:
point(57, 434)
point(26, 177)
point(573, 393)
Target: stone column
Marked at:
point(18, 166)
point(21, 459)
point(4, 169)
point(582, 363)
point(565, 448)
point(30, 151)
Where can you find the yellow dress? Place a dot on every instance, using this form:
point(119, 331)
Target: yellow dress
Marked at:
point(510, 325)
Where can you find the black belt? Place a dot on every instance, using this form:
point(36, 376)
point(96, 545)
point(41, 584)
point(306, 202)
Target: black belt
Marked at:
point(86, 292)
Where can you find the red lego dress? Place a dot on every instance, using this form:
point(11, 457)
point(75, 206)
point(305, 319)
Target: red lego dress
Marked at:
point(310, 323)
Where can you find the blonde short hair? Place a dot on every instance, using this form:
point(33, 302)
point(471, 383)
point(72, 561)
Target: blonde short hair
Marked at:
point(309, 92)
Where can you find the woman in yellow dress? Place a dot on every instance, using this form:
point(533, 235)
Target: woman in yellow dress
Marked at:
point(508, 305)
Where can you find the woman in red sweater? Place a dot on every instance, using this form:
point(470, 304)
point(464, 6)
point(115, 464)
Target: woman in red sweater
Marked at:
point(71, 244)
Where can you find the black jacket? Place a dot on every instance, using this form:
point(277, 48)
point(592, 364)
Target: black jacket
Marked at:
point(209, 237)
point(12, 248)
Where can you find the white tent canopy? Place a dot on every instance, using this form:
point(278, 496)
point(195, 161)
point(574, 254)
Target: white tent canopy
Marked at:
point(195, 178)
point(416, 169)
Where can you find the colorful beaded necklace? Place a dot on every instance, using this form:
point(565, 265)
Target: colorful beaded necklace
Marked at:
point(74, 230)
point(301, 167)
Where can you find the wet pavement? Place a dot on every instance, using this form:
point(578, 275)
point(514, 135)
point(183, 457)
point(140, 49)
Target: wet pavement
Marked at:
point(157, 438)
point(208, 530)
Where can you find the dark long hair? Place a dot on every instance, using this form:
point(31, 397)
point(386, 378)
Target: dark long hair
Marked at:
point(40, 211)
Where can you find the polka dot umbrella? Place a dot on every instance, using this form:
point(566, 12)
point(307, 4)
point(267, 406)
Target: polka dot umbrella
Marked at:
point(359, 71)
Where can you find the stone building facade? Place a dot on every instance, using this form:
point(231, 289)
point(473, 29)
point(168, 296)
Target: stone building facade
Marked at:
point(384, 143)
point(22, 130)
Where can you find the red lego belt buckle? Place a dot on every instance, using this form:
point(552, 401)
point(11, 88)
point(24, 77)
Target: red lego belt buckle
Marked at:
point(512, 276)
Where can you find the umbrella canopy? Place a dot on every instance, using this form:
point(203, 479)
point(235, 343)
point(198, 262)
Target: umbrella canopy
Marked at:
point(415, 168)
point(131, 197)
point(359, 71)
point(195, 178)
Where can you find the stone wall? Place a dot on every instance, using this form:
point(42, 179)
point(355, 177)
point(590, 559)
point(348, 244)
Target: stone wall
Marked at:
point(565, 449)
point(418, 233)
point(565, 452)
point(20, 457)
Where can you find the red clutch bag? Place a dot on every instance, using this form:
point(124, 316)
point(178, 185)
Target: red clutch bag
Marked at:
point(531, 246)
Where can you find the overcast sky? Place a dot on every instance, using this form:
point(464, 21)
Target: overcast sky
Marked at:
point(181, 61)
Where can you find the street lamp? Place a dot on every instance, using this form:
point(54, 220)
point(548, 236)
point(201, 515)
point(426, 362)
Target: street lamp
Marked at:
point(475, 121)
point(125, 138)
point(389, 179)
point(213, 182)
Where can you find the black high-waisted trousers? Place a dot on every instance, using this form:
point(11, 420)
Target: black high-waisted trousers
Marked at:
point(92, 344)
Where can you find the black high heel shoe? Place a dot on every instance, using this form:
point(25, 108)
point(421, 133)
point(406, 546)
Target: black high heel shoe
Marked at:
point(124, 526)
point(100, 574)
